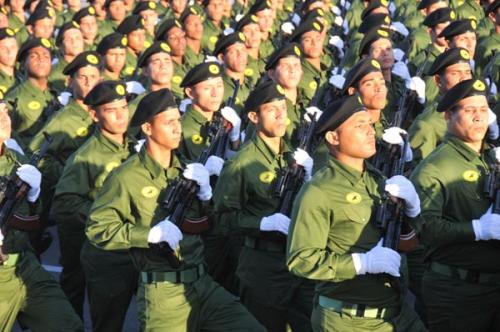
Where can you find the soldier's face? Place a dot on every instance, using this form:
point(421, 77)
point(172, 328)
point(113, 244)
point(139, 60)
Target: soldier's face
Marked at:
point(84, 80)
point(164, 129)
point(150, 18)
point(4, 21)
point(99, 7)
point(176, 39)
point(112, 117)
point(236, 57)
point(253, 36)
point(453, 75)
point(5, 124)
point(43, 28)
point(373, 91)
point(436, 30)
point(160, 68)
point(114, 60)
point(355, 137)
point(8, 52)
point(469, 120)
point(381, 50)
point(194, 27)
point(266, 19)
point(74, 4)
point(215, 10)
point(288, 72)
point(136, 40)
point(312, 44)
point(88, 27)
point(17, 5)
point(39, 62)
point(117, 10)
point(73, 42)
point(271, 119)
point(208, 95)
point(178, 6)
point(466, 40)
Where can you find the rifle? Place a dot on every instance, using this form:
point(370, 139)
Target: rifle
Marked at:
point(51, 108)
point(13, 189)
point(181, 195)
point(492, 186)
point(488, 73)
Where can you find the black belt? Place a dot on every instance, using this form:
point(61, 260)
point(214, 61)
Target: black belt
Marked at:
point(358, 310)
point(470, 276)
point(265, 245)
point(185, 276)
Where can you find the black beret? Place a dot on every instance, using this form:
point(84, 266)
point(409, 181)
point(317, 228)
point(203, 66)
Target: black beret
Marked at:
point(106, 92)
point(426, 3)
point(291, 49)
point(88, 58)
point(338, 112)
point(152, 104)
point(372, 37)
point(113, 40)
point(157, 47)
point(448, 58)
point(372, 5)
point(260, 5)
point(307, 3)
point(40, 13)
point(360, 70)
point(373, 22)
point(493, 7)
point(315, 13)
point(190, 10)
point(32, 43)
point(165, 27)
point(87, 11)
point(130, 23)
point(201, 72)
point(108, 2)
point(224, 42)
point(7, 33)
point(440, 15)
point(246, 20)
point(264, 93)
point(144, 5)
point(464, 89)
point(306, 26)
point(458, 27)
point(65, 27)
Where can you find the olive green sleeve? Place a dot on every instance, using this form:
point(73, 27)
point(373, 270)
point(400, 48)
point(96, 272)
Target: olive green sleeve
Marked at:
point(308, 254)
point(422, 140)
point(435, 229)
point(111, 224)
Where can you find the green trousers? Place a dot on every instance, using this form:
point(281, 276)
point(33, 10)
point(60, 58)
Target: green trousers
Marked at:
point(199, 306)
point(30, 294)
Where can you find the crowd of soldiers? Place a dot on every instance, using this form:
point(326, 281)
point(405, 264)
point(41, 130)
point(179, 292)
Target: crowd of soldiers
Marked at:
point(251, 165)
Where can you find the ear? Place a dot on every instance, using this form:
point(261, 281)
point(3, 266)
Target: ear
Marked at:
point(93, 115)
point(437, 79)
point(253, 117)
point(30, 29)
point(220, 56)
point(146, 128)
point(351, 90)
point(448, 115)
point(332, 138)
point(271, 74)
point(189, 92)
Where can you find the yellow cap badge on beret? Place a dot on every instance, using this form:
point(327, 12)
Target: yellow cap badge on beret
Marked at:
point(92, 59)
point(147, 44)
point(45, 42)
point(382, 33)
point(124, 41)
point(353, 198)
point(3, 89)
point(296, 49)
point(248, 72)
point(254, 18)
point(177, 23)
point(91, 11)
point(266, 177)
point(280, 89)
point(152, 5)
point(470, 176)
point(76, 25)
point(387, 20)
point(165, 47)
point(193, 10)
point(473, 24)
point(269, 3)
point(51, 12)
point(465, 54)
point(316, 26)
point(313, 85)
point(321, 12)
point(375, 63)
point(241, 36)
point(214, 69)
point(120, 89)
point(479, 86)
point(10, 32)
point(453, 15)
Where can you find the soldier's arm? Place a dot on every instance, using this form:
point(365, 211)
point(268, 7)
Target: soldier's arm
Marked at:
point(308, 254)
point(422, 141)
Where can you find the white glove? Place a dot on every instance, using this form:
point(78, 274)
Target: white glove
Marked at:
point(336, 41)
point(400, 187)
point(1, 238)
point(336, 10)
point(211, 58)
point(345, 3)
point(345, 26)
point(399, 54)
point(497, 154)
point(378, 260)
point(198, 173)
point(392, 8)
point(338, 21)
point(472, 64)
point(139, 144)
point(337, 81)
point(288, 28)
point(165, 231)
point(312, 111)
point(493, 130)
point(393, 136)
point(135, 87)
point(337, 71)
point(230, 115)
point(214, 165)
point(64, 97)
point(400, 28)
point(400, 69)
point(32, 176)
point(487, 227)
point(276, 222)
point(492, 85)
point(239, 17)
point(11, 144)
point(184, 104)
point(227, 31)
point(243, 136)
point(418, 85)
point(296, 19)
point(303, 159)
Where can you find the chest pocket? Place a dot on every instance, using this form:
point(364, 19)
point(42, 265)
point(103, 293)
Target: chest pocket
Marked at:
point(471, 185)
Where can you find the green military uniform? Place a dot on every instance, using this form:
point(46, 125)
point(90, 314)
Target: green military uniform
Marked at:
point(395, 89)
point(191, 58)
point(484, 53)
point(107, 27)
point(308, 84)
point(210, 35)
point(6, 81)
point(57, 79)
point(243, 92)
point(110, 276)
point(130, 64)
point(180, 71)
point(19, 27)
point(469, 10)
point(255, 68)
point(194, 134)
point(29, 293)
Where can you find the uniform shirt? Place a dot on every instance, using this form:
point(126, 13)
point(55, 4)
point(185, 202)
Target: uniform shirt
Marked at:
point(129, 204)
point(255, 68)
point(450, 184)
point(130, 64)
point(6, 81)
point(243, 92)
point(191, 58)
point(331, 219)
point(195, 128)
point(210, 35)
point(56, 78)
point(308, 85)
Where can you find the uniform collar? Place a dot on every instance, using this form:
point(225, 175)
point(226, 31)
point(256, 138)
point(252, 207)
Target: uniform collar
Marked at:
point(459, 145)
point(153, 167)
point(195, 115)
point(266, 151)
point(110, 144)
point(352, 175)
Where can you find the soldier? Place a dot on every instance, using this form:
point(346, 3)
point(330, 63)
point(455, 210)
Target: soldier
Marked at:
point(133, 28)
point(249, 25)
point(171, 296)
point(116, 13)
point(263, 10)
point(28, 293)
point(86, 19)
point(458, 225)
point(147, 11)
point(461, 33)
point(245, 203)
point(113, 49)
point(486, 47)
point(333, 236)
point(212, 26)
point(192, 24)
point(41, 22)
point(175, 9)
point(8, 53)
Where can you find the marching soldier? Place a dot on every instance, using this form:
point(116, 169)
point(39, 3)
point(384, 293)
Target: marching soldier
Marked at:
point(147, 11)
point(116, 13)
point(113, 50)
point(8, 53)
point(133, 28)
point(212, 26)
point(461, 33)
point(249, 26)
point(192, 24)
point(87, 21)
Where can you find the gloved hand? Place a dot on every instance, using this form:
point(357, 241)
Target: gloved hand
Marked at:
point(337, 71)
point(400, 69)
point(64, 97)
point(337, 42)
point(214, 165)
point(227, 31)
point(392, 135)
point(198, 173)
point(399, 54)
point(275, 222)
point(296, 19)
point(135, 87)
point(13, 145)
point(345, 3)
point(184, 104)
point(392, 8)
point(288, 28)
point(312, 112)
point(303, 159)
point(165, 231)
point(337, 81)
point(400, 187)
point(497, 153)
point(400, 28)
point(230, 115)
point(338, 21)
point(336, 10)
point(493, 130)
point(32, 176)
point(487, 227)
point(418, 85)
point(139, 144)
point(378, 260)
point(238, 17)
point(1, 238)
